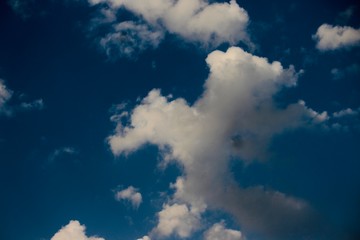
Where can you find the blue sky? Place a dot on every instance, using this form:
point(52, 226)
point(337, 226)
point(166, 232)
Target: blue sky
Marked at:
point(188, 119)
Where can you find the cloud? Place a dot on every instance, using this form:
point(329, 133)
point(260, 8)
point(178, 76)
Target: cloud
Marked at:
point(23, 8)
point(219, 232)
point(144, 238)
point(35, 105)
point(209, 24)
point(130, 194)
point(129, 38)
point(236, 116)
point(346, 112)
point(177, 219)
point(344, 16)
point(350, 71)
point(330, 37)
point(61, 151)
point(8, 109)
point(5, 95)
point(346, 120)
point(73, 231)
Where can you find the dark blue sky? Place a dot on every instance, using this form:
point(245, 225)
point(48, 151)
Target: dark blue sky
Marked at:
point(65, 72)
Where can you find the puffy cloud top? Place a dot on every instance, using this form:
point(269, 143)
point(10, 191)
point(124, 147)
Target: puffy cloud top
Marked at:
point(73, 231)
point(219, 232)
point(177, 219)
point(330, 37)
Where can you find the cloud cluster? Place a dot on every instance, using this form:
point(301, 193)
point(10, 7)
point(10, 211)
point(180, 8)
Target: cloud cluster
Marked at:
point(7, 109)
point(209, 24)
point(130, 194)
point(330, 37)
point(73, 231)
point(129, 38)
point(236, 116)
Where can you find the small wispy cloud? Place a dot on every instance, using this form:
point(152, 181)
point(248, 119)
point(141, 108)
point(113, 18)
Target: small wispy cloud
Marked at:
point(9, 109)
point(34, 105)
point(61, 151)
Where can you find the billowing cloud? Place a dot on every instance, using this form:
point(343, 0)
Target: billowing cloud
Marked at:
point(330, 37)
point(219, 232)
point(73, 231)
point(210, 24)
point(130, 194)
point(177, 219)
point(236, 116)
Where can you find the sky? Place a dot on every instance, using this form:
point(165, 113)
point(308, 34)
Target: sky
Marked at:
point(179, 119)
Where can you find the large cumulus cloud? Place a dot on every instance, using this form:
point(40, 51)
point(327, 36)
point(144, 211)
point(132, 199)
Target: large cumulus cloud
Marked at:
point(236, 116)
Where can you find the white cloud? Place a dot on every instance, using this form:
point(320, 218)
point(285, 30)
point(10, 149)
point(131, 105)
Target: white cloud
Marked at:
point(330, 37)
point(235, 116)
point(210, 24)
point(73, 231)
point(219, 232)
point(130, 194)
point(177, 219)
